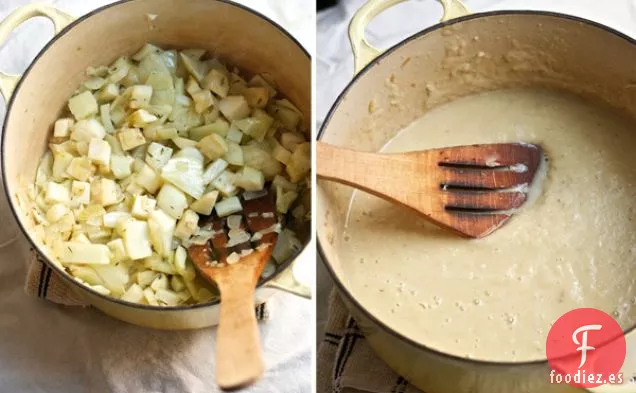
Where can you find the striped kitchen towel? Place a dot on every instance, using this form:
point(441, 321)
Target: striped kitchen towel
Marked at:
point(346, 361)
point(45, 283)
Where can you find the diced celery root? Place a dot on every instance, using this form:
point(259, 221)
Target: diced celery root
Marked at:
point(146, 146)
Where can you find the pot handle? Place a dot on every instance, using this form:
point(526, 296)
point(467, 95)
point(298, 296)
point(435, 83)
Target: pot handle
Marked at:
point(295, 279)
point(363, 51)
point(60, 20)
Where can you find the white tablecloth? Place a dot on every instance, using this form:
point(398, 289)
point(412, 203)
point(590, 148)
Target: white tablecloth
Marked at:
point(48, 348)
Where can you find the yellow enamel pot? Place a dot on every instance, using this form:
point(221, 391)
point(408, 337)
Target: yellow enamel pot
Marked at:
point(566, 50)
point(236, 34)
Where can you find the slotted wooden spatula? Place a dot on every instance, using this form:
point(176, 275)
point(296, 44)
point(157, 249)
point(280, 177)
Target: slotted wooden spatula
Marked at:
point(239, 361)
point(471, 190)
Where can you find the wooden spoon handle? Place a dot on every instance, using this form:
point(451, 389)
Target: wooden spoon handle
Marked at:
point(384, 175)
point(239, 361)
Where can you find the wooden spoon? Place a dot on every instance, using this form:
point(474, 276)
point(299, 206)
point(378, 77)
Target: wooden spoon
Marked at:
point(239, 361)
point(471, 190)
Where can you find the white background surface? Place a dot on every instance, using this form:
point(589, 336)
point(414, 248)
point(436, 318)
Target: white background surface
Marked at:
point(49, 348)
point(334, 60)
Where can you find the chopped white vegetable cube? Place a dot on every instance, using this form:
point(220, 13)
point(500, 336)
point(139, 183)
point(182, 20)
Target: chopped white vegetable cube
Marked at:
point(62, 128)
point(187, 225)
point(213, 146)
point(289, 140)
point(185, 170)
point(85, 130)
point(234, 154)
point(79, 237)
point(217, 82)
point(234, 107)
point(120, 166)
point(281, 154)
point(206, 203)
point(82, 148)
point(257, 157)
point(225, 183)
point(146, 50)
point(129, 138)
point(107, 122)
point(228, 206)
point(83, 105)
point(299, 163)
point(119, 70)
point(194, 66)
point(136, 239)
point(168, 297)
point(143, 206)
point(159, 264)
point(182, 143)
point(158, 155)
point(213, 170)
point(234, 221)
point(256, 126)
point(108, 93)
point(202, 100)
point(234, 135)
point(289, 117)
point(160, 282)
point(56, 193)
point(83, 253)
point(99, 151)
point(284, 199)
point(149, 179)
point(258, 80)
point(172, 200)
point(117, 250)
point(56, 212)
point(250, 179)
point(140, 96)
point(111, 219)
point(257, 96)
point(80, 192)
point(192, 86)
point(146, 277)
point(280, 181)
point(60, 163)
point(105, 192)
point(134, 294)
point(161, 227)
point(149, 295)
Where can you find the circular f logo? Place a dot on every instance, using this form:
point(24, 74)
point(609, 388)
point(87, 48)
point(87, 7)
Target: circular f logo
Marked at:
point(586, 348)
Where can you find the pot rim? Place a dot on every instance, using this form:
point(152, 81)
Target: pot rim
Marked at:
point(284, 266)
point(339, 284)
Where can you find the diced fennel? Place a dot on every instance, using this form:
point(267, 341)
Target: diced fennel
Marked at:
point(213, 170)
point(172, 200)
point(206, 203)
point(228, 206)
point(83, 105)
point(185, 170)
point(187, 225)
point(136, 239)
point(82, 253)
point(103, 178)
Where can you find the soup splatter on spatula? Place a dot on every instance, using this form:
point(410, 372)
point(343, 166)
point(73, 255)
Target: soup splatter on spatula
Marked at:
point(234, 258)
point(471, 190)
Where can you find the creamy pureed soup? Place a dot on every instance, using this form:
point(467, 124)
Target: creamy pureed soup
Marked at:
point(495, 298)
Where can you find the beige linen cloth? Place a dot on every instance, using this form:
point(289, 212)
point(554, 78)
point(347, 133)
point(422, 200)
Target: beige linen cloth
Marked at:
point(346, 363)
